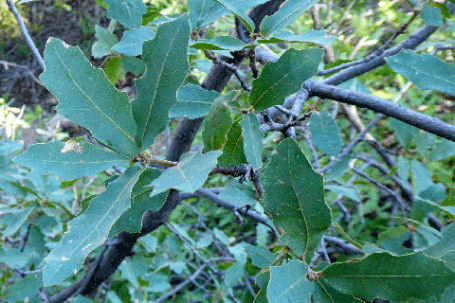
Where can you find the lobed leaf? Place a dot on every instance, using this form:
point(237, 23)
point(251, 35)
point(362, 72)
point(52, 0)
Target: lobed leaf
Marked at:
point(204, 12)
point(252, 140)
point(51, 158)
point(395, 278)
point(166, 64)
point(188, 175)
point(294, 196)
point(287, 13)
point(132, 40)
point(325, 133)
point(426, 71)
point(106, 40)
point(193, 102)
point(284, 77)
point(127, 12)
point(288, 283)
point(239, 8)
point(87, 98)
point(233, 152)
point(218, 122)
point(89, 230)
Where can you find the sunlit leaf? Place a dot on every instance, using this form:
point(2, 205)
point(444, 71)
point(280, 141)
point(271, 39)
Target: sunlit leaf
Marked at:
point(166, 61)
point(127, 12)
point(88, 98)
point(48, 158)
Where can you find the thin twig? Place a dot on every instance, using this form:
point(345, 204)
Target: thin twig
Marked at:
point(31, 44)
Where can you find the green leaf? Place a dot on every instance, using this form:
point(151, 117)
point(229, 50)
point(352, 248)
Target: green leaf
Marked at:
point(133, 65)
point(289, 284)
point(238, 193)
point(396, 278)
point(14, 221)
point(24, 290)
point(132, 40)
point(426, 71)
point(347, 191)
point(89, 230)
point(204, 12)
point(260, 256)
point(87, 98)
point(193, 102)
point(431, 15)
point(252, 140)
point(189, 174)
point(141, 201)
point(14, 258)
point(404, 132)
point(312, 36)
point(218, 122)
point(127, 12)
point(442, 150)
point(294, 196)
point(105, 41)
point(287, 13)
point(239, 8)
point(446, 245)
point(219, 43)
point(323, 293)
point(284, 77)
point(233, 152)
point(113, 69)
point(424, 141)
point(166, 61)
point(325, 133)
point(51, 158)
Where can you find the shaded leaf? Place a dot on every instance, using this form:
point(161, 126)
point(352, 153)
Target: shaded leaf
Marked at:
point(389, 277)
point(166, 62)
point(237, 193)
point(219, 43)
point(131, 220)
point(239, 8)
point(347, 191)
point(189, 174)
point(133, 65)
point(127, 12)
point(14, 221)
point(293, 195)
point(48, 158)
point(312, 36)
point(204, 12)
point(252, 140)
point(113, 69)
point(89, 230)
point(442, 150)
point(445, 246)
point(105, 41)
point(289, 284)
point(193, 102)
point(24, 290)
point(284, 77)
point(426, 71)
point(87, 98)
point(132, 40)
point(233, 152)
point(218, 122)
point(404, 132)
point(260, 256)
point(325, 133)
point(287, 13)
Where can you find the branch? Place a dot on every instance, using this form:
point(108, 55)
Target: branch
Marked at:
point(31, 44)
point(430, 124)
